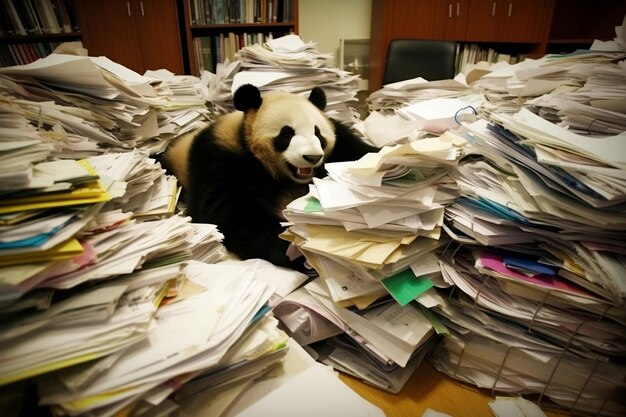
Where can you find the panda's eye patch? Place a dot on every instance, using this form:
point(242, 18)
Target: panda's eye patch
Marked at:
point(322, 139)
point(281, 142)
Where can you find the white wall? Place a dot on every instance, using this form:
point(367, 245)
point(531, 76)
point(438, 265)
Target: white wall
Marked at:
point(325, 22)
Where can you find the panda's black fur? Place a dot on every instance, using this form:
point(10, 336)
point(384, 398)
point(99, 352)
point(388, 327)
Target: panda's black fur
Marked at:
point(235, 174)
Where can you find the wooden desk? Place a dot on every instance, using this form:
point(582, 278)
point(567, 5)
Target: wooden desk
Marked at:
point(429, 388)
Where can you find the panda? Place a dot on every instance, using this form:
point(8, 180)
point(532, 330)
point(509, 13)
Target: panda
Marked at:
point(241, 171)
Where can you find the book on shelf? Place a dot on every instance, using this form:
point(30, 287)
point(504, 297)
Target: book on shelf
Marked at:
point(472, 53)
point(209, 12)
point(15, 19)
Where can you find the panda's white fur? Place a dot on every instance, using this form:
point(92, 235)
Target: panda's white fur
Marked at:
point(241, 171)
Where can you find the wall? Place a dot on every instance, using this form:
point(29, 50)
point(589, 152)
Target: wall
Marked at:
point(327, 21)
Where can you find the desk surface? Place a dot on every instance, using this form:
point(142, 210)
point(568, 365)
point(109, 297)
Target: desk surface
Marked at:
point(429, 388)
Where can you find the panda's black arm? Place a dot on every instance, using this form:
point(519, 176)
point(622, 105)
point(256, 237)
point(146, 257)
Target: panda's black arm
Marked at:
point(242, 207)
point(260, 240)
point(349, 145)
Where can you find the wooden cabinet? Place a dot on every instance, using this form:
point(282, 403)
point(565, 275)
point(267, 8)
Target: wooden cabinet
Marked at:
point(215, 29)
point(577, 23)
point(427, 19)
point(517, 27)
point(508, 21)
point(139, 34)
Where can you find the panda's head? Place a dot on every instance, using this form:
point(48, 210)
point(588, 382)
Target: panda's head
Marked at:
point(289, 134)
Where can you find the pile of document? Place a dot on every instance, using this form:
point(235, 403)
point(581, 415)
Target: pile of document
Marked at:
point(286, 64)
point(111, 299)
point(537, 295)
point(583, 91)
point(93, 105)
point(97, 269)
point(403, 93)
point(367, 229)
point(213, 332)
point(596, 108)
point(117, 315)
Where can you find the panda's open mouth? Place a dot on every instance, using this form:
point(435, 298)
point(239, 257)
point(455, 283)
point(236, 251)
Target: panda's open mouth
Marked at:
point(301, 173)
point(304, 172)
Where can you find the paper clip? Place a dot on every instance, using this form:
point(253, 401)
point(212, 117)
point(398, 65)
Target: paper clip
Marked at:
point(456, 119)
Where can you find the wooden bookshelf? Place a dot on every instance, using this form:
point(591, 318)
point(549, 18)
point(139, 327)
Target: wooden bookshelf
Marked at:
point(214, 30)
point(32, 29)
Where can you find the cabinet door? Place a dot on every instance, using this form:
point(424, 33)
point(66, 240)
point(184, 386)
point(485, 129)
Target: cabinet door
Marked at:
point(159, 34)
point(455, 14)
point(524, 20)
point(508, 21)
point(425, 19)
point(482, 23)
point(107, 29)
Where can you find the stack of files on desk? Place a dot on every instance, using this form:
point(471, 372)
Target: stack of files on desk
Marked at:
point(216, 325)
point(82, 312)
point(84, 327)
point(382, 344)
point(537, 294)
point(596, 108)
point(403, 93)
point(96, 104)
point(512, 331)
point(21, 145)
point(583, 91)
point(297, 386)
point(286, 64)
point(370, 229)
point(375, 217)
point(138, 184)
point(41, 219)
point(506, 88)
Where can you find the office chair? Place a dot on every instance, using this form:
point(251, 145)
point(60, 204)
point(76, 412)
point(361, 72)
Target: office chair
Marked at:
point(411, 58)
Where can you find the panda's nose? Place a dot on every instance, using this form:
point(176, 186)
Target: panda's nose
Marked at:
point(313, 159)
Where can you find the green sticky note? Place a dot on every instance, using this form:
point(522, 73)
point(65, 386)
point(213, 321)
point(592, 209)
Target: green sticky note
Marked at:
point(405, 286)
point(313, 205)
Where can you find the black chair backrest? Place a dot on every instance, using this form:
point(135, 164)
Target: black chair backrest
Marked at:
point(410, 58)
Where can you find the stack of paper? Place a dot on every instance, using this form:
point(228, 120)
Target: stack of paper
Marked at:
point(403, 93)
point(536, 299)
point(287, 64)
point(582, 91)
point(300, 386)
point(367, 229)
point(377, 215)
point(109, 298)
point(382, 344)
point(596, 108)
point(202, 336)
point(40, 222)
point(21, 145)
point(126, 110)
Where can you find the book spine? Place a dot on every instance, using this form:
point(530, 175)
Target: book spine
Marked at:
point(16, 21)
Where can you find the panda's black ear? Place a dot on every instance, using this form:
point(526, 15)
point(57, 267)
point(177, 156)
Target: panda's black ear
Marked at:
point(247, 97)
point(318, 98)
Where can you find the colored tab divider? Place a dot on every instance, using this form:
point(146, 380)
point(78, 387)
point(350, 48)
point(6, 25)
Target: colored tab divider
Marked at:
point(405, 286)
